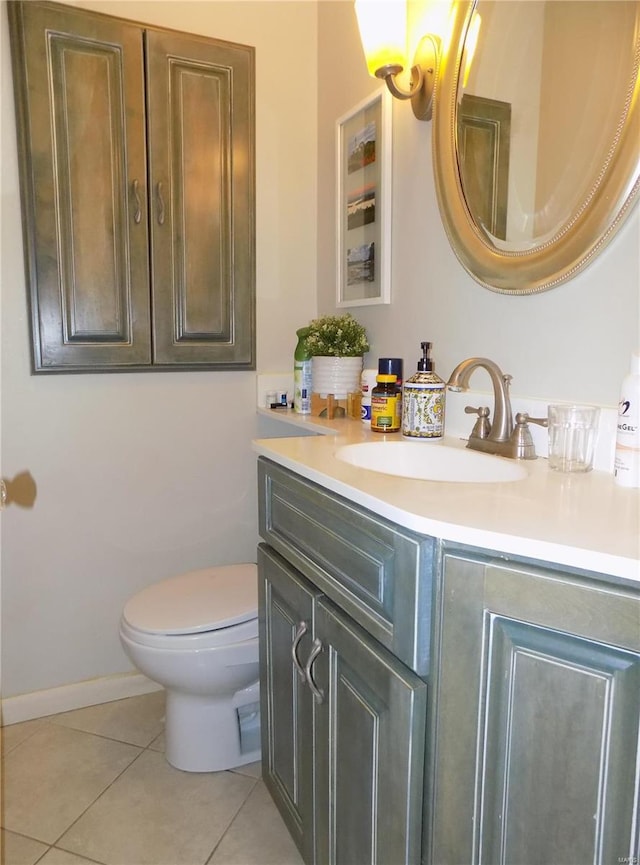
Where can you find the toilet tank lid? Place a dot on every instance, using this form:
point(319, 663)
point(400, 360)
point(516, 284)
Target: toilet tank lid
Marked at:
point(190, 603)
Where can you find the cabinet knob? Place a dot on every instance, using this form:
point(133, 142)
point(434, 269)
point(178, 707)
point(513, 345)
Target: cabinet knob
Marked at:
point(318, 694)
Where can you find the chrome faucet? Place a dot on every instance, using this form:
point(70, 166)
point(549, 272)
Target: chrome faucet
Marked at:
point(500, 435)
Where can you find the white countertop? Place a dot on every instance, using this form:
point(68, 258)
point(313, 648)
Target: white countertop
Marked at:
point(580, 520)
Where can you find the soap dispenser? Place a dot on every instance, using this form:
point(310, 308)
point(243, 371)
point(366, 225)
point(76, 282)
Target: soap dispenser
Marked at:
point(423, 399)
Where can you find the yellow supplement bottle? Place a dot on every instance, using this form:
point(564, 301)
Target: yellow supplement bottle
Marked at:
point(385, 396)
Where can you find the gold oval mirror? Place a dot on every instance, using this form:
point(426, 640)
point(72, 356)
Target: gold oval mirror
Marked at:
point(537, 136)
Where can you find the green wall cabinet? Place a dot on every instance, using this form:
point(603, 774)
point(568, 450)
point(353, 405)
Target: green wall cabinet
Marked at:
point(136, 150)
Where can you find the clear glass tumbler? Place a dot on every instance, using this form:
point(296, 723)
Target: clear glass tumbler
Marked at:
point(573, 430)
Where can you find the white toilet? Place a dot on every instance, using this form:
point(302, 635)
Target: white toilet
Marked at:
point(197, 635)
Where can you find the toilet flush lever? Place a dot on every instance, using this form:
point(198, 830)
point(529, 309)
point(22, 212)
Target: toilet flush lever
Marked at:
point(301, 630)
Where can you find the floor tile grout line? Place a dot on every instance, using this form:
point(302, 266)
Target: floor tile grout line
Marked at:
point(207, 861)
point(62, 849)
point(93, 802)
point(37, 728)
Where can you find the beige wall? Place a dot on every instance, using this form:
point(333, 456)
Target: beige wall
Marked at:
point(141, 476)
point(571, 343)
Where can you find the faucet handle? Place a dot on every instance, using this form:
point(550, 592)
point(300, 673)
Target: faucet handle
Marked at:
point(523, 417)
point(482, 426)
point(521, 440)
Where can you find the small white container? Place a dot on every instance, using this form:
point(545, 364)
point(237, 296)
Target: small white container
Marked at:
point(367, 384)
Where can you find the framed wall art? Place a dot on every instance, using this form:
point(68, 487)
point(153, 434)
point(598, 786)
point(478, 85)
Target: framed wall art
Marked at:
point(363, 201)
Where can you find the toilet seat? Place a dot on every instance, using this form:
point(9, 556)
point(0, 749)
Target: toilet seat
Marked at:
point(221, 600)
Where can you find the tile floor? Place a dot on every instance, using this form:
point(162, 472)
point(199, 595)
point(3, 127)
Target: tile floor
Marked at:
point(92, 786)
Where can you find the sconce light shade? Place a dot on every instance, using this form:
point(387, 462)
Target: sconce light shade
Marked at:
point(383, 32)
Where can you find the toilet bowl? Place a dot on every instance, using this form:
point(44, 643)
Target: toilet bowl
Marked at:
point(197, 635)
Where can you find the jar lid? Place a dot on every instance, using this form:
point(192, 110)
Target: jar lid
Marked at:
point(390, 366)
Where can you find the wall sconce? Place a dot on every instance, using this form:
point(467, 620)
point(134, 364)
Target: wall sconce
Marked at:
point(383, 29)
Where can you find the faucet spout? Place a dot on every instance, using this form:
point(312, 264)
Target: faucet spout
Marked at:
point(502, 422)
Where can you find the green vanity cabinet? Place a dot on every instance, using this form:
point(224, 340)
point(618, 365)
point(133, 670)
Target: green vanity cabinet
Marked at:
point(343, 593)
point(536, 717)
point(136, 153)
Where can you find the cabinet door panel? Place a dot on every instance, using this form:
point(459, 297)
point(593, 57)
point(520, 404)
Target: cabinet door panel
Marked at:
point(538, 720)
point(202, 189)
point(79, 87)
point(567, 701)
point(370, 733)
point(286, 601)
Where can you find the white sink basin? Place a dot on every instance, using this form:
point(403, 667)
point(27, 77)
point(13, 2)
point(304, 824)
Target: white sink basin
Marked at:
point(431, 461)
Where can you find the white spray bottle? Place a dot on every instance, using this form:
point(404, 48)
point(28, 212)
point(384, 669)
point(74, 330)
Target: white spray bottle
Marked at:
point(627, 459)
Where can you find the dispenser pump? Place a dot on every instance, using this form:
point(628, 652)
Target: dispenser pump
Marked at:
point(425, 364)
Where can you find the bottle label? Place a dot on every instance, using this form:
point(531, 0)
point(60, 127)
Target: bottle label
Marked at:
point(626, 468)
point(384, 413)
point(423, 412)
point(302, 375)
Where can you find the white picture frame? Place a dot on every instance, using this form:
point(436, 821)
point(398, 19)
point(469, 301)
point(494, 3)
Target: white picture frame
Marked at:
point(363, 202)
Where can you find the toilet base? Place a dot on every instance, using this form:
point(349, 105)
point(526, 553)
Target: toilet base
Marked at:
point(202, 734)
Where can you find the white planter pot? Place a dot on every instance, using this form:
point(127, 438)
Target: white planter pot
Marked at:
point(337, 375)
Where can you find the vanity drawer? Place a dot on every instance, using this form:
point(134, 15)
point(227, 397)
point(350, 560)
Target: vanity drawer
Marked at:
point(377, 572)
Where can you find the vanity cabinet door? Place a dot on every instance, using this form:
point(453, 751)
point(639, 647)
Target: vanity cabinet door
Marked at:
point(370, 734)
point(537, 718)
point(286, 611)
point(81, 125)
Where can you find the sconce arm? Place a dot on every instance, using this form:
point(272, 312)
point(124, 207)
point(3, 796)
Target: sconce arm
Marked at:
point(423, 74)
point(388, 74)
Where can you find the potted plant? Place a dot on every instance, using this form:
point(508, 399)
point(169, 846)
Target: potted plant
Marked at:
point(336, 344)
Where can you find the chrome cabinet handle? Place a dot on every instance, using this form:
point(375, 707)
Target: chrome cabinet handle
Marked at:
point(137, 216)
point(318, 694)
point(301, 630)
point(160, 204)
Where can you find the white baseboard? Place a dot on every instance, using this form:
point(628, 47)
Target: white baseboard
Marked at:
point(38, 704)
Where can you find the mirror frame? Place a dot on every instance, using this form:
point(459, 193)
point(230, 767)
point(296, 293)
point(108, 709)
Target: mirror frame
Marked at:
point(575, 245)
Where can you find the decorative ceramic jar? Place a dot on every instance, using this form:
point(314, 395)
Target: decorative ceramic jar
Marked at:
point(339, 376)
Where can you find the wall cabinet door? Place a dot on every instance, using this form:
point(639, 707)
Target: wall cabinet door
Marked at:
point(137, 192)
point(537, 718)
point(201, 190)
point(81, 126)
point(343, 743)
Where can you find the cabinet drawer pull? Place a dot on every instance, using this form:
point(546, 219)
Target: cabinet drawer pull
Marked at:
point(318, 694)
point(301, 630)
point(137, 216)
point(160, 203)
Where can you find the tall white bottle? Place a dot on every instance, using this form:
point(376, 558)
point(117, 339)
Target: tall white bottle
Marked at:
point(627, 459)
